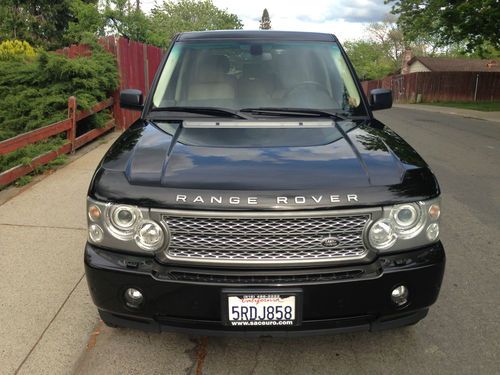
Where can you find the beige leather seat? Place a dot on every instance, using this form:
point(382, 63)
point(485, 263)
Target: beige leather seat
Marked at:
point(256, 84)
point(211, 81)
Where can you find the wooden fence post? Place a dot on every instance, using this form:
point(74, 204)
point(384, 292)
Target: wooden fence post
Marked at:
point(146, 68)
point(72, 116)
point(117, 111)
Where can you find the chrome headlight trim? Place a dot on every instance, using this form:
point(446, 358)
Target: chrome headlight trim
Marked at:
point(112, 220)
point(413, 227)
point(382, 225)
point(122, 236)
point(139, 236)
point(411, 234)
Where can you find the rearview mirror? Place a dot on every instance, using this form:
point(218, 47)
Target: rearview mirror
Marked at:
point(131, 99)
point(380, 99)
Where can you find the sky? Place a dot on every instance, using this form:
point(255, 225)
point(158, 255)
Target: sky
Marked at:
point(346, 19)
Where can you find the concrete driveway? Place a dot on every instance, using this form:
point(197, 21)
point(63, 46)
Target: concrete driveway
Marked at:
point(50, 326)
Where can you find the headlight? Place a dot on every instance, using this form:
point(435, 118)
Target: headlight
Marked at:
point(432, 231)
point(409, 219)
point(149, 235)
point(402, 226)
point(124, 217)
point(382, 235)
point(122, 220)
point(96, 234)
point(125, 227)
point(406, 215)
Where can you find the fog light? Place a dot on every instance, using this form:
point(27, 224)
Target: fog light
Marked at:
point(133, 297)
point(96, 233)
point(399, 295)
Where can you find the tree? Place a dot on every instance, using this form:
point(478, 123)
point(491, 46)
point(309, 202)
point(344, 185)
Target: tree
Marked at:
point(172, 17)
point(389, 36)
point(117, 17)
point(370, 59)
point(42, 23)
point(126, 19)
point(265, 21)
point(53, 24)
point(475, 24)
point(88, 24)
point(382, 53)
point(393, 43)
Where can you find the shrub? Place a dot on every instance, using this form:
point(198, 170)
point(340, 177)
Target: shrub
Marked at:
point(14, 49)
point(34, 93)
point(24, 155)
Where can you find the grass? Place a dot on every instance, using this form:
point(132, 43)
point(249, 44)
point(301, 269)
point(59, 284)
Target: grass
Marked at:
point(24, 156)
point(477, 106)
point(24, 180)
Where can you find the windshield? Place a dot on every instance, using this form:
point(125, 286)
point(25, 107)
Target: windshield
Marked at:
point(247, 74)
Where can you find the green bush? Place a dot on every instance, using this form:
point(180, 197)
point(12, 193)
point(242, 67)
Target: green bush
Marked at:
point(34, 93)
point(14, 49)
point(24, 155)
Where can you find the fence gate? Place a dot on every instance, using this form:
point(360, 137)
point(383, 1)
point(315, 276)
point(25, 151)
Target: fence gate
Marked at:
point(397, 86)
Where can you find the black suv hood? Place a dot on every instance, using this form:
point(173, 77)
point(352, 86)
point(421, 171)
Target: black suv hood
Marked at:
point(351, 164)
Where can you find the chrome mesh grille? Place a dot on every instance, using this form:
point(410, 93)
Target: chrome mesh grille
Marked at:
point(264, 239)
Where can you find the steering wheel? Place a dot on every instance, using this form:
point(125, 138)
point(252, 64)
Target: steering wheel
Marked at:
point(307, 84)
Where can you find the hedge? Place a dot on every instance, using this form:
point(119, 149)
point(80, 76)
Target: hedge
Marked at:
point(34, 92)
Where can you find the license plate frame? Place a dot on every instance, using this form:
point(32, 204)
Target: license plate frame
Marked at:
point(226, 293)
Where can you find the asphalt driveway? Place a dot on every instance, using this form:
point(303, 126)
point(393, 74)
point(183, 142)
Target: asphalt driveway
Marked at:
point(49, 325)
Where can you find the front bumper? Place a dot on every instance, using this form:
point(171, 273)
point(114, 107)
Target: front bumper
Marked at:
point(334, 299)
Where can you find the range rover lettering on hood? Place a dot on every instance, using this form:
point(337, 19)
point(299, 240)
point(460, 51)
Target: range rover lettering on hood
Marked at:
point(364, 165)
point(281, 200)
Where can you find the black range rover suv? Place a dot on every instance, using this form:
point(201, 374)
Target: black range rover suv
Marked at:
point(258, 195)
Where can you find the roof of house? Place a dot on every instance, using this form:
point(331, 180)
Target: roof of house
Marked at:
point(445, 64)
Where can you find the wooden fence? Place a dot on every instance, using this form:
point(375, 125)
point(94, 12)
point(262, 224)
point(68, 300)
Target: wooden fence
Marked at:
point(137, 64)
point(67, 126)
point(440, 86)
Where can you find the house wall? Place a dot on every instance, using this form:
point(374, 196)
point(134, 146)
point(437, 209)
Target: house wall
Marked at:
point(417, 67)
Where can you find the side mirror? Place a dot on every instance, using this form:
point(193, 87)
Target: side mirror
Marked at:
point(380, 99)
point(131, 99)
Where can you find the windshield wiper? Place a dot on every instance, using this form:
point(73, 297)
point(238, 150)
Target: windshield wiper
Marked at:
point(211, 111)
point(296, 112)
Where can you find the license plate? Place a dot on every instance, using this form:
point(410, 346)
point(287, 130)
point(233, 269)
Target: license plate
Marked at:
point(255, 310)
